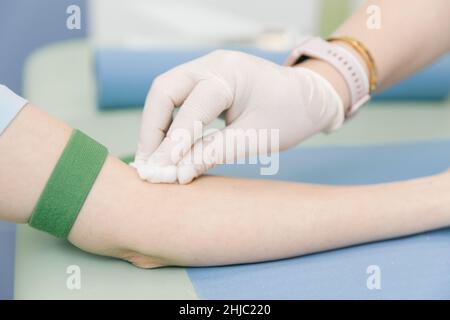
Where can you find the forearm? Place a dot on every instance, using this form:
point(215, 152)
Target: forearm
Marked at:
point(411, 35)
point(226, 220)
point(219, 220)
point(215, 220)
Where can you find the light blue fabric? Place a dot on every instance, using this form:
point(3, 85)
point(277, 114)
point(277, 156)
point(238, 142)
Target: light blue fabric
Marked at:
point(10, 105)
point(124, 76)
point(412, 267)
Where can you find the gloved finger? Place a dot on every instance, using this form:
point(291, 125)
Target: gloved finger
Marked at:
point(168, 91)
point(205, 103)
point(239, 141)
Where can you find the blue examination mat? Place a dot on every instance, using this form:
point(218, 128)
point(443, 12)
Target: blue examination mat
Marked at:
point(414, 267)
point(124, 76)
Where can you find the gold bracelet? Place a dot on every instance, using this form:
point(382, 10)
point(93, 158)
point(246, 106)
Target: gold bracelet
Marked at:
point(365, 55)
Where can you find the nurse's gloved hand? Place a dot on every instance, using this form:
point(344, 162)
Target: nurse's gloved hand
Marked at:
point(254, 93)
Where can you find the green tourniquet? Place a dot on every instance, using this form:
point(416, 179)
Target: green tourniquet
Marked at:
point(68, 185)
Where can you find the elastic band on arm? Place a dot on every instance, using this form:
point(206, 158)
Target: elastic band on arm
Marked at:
point(69, 185)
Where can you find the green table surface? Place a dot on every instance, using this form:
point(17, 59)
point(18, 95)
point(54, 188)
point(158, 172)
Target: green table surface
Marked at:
point(60, 79)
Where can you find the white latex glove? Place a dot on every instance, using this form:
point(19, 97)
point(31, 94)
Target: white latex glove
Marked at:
point(254, 93)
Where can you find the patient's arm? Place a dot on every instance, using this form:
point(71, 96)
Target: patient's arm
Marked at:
point(215, 220)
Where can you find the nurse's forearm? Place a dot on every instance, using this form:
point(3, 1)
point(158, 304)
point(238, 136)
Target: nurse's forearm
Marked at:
point(215, 220)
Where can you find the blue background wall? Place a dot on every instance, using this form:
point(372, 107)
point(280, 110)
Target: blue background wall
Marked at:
point(28, 24)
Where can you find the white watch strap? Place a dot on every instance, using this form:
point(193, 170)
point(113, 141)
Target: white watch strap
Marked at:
point(344, 61)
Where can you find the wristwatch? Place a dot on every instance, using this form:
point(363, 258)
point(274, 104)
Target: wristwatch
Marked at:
point(343, 60)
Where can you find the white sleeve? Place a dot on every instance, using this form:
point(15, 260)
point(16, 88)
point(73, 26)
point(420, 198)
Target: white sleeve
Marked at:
point(10, 105)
